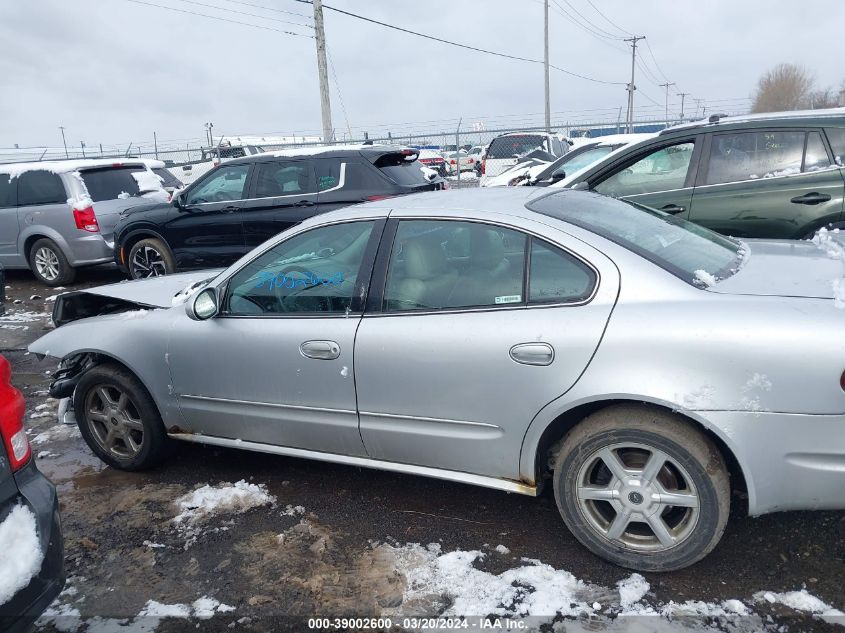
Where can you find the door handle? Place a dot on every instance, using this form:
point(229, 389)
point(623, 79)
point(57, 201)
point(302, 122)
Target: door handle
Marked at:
point(813, 197)
point(305, 203)
point(231, 209)
point(320, 350)
point(533, 353)
point(674, 209)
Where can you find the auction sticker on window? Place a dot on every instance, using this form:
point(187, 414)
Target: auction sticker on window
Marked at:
point(509, 299)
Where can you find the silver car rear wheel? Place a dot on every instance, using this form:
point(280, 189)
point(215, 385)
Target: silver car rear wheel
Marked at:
point(642, 487)
point(47, 263)
point(638, 496)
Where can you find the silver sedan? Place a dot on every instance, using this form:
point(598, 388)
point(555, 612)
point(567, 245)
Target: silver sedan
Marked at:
point(640, 365)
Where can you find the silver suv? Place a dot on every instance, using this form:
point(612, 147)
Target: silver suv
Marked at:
point(58, 216)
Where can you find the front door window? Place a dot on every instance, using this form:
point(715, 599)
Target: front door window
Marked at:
point(662, 170)
point(223, 185)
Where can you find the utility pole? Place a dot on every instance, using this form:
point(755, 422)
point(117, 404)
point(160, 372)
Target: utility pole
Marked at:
point(322, 71)
point(155, 143)
point(64, 142)
point(683, 95)
point(631, 87)
point(546, 65)
point(666, 85)
point(697, 105)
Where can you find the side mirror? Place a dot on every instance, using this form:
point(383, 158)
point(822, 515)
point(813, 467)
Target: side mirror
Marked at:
point(560, 174)
point(203, 305)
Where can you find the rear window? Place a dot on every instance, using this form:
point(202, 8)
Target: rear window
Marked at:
point(8, 197)
point(402, 172)
point(510, 146)
point(689, 251)
point(168, 178)
point(111, 183)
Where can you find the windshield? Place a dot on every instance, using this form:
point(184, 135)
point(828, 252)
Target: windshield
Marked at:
point(510, 146)
point(689, 251)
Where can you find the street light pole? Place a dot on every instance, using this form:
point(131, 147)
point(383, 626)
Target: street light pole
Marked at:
point(64, 142)
point(546, 66)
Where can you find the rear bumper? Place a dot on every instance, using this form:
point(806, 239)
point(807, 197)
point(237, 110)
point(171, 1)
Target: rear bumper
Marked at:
point(23, 609)
point(90, 249)
point(790, 461)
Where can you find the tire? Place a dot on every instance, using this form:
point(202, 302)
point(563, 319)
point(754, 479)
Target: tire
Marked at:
point(127, 435)
point(150, 258)
point(630, 436)
point(49, 264)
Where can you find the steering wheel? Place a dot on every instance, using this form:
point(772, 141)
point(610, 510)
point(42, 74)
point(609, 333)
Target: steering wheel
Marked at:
point(225, 196)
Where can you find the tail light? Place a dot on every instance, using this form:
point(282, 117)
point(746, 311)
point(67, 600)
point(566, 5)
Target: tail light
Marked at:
point(12, 408)
point(374, 198)
point(470, 160)
point(842, 381)
point(483, 166)
point(452, 162)
point(86, 220)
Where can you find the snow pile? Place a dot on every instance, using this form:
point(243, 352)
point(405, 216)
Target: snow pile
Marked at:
point(223, 499)
point(704, 278)
point(292, 511)
point(435, 579)
point(20, 551)
point(57, 433)
point(81, 202)
point(23, 317)
point(800, 601)
point(183, 295)
point(134, 314)
point(147, 181)
point(631, 591)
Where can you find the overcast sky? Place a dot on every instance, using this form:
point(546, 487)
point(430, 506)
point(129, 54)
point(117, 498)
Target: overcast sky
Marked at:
point(114, 71)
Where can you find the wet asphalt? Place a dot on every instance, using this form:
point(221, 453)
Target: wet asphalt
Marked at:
point(108, 515)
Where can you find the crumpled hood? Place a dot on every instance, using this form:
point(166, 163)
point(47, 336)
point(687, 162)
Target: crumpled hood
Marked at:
point(785, 268)
point(156, 292)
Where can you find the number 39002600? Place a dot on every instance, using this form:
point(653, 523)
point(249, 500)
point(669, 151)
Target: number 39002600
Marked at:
point(281, 280)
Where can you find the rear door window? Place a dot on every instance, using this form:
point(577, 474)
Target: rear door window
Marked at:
point(517, 145)
point(284, 178)
point(752, 155)
point(328, 172)
point(8, 192)
point(111, 183)
point(815, 156)
point(40, 187)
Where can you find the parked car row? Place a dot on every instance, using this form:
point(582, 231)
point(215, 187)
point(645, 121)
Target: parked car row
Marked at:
point(56, 217)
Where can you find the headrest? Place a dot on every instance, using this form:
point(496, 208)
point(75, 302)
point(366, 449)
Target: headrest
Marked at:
point(424, 259)
point(487, 249)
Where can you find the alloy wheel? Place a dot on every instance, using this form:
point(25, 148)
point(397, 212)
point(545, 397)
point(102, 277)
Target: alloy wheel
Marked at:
point(114, 421)
point(47, 263)
point(638, 497)
point(148, 262)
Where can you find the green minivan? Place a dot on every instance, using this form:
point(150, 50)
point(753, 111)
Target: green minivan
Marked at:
point(776, 175)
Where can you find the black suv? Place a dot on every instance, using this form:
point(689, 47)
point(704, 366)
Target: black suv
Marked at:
point(245, 201)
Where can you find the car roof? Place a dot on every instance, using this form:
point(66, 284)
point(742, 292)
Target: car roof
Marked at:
point(65, 166)
point(794, 117)
point(507, 200)
point(371, 152)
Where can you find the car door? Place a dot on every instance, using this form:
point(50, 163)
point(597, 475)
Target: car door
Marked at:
point(453, 360)
point(660, 176)
point(9, 228)
point(206, 231)
point(767, 183)
point(283, 193)
point(276, 365)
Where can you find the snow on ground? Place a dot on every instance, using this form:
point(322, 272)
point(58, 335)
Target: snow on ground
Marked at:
point(465, 175)
point(20, 551)
point(291, 511)
point(56, 433)
point(453, 584)
point(18, 320)
point(225, 498)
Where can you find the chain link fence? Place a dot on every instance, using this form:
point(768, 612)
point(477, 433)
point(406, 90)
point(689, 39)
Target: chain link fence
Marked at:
point(462, 146)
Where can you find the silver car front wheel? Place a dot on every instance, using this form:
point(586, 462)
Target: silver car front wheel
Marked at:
point(642, 488)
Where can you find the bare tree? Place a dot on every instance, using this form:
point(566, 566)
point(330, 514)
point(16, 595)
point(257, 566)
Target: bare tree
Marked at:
point(820, 99)
point(785, 87)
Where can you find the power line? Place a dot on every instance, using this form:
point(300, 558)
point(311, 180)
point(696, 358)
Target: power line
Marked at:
point(258, 6)
point(607, 18)
point(252, 15)
point(214, 17)
point(654, 59)
point(464, 46)
point(592, 27)
point(339, 95)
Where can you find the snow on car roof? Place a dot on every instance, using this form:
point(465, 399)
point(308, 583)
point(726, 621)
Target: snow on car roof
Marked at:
point(65, 166)
point(615, 139)
point(322, 149)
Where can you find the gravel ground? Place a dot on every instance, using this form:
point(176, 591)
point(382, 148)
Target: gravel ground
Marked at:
point(311, 539)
